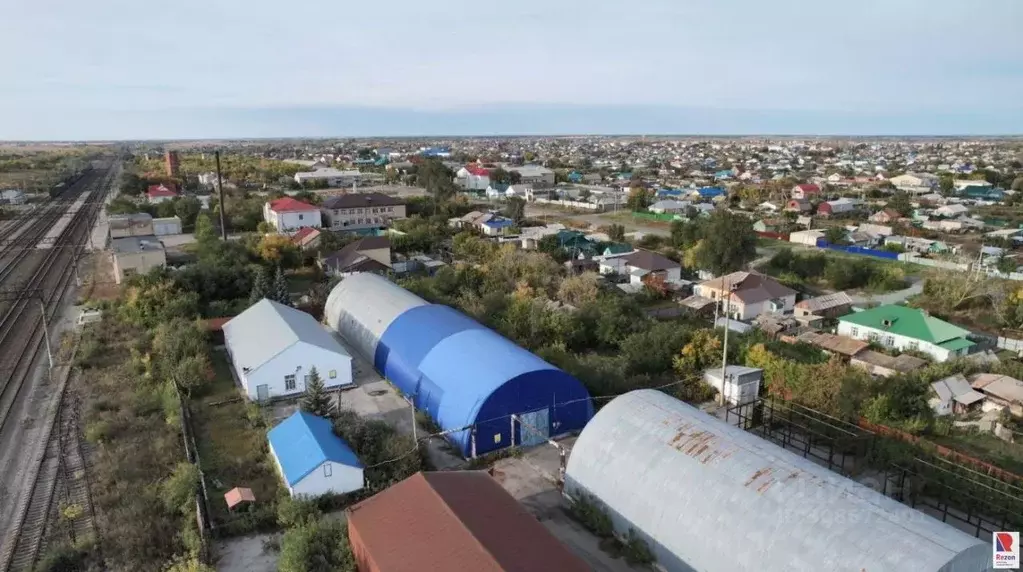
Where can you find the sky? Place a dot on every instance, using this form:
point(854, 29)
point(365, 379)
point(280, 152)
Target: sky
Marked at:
point(124, 69)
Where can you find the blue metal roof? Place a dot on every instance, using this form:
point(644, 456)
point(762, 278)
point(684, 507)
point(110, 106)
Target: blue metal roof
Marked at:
point(305, 441)
point(708, 192)
point(499, 223)
point(461, 373)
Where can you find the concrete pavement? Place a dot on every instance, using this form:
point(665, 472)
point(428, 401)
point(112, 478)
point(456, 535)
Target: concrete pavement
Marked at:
point(896, 297)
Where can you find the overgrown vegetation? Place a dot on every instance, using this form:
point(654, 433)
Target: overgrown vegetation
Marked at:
point(588, 511)
point(817, 269)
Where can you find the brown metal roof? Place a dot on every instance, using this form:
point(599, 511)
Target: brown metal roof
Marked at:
point(750, 287)
point(650, 261)
point(361, 200)
point(454, 520)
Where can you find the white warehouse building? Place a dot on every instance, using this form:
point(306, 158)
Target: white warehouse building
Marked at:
point(273, 347)
point(714, 498)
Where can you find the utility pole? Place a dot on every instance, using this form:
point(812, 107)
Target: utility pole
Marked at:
point(220, 196)
point(724, 349)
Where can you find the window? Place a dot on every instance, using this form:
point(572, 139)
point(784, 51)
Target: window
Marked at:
point(337, 212)
point(889, 341)
point(289, 382)
point(301, 216)
point(497, 438)
point(855, 332)
point(914, 345)
point(328, 471)
point(128, 272)
point(333, 374)
point(306, 378)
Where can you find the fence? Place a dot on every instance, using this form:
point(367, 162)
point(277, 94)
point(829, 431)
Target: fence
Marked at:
point(569, 204)
point(774, 235)
point(656, 217)
point(913, 258)
point(860, 250)
point(202, 501)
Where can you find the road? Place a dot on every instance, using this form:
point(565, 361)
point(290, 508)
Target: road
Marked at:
point(896, 297)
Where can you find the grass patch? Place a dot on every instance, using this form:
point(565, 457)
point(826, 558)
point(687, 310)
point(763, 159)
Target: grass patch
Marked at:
point(986, 447)
point(230, 435)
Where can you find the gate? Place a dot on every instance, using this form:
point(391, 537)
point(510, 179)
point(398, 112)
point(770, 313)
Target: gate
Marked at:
point(534, 427)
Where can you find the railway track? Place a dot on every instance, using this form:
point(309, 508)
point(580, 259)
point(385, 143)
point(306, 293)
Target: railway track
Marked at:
point(22, 336)
point(14, 249)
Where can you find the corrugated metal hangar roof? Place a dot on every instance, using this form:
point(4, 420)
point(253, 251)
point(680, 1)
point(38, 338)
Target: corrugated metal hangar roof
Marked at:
point(712, 497)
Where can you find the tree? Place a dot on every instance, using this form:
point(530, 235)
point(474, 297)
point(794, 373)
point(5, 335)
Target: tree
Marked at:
point(437, 179)
point(278, 249)
point(500, 176)
point(638, 199)
point(315, 400)
point(835, 235)
point(702, 352)
point(729, 243)
point(279, 291)
point(901, 204)
point(1006, 264)
point(1017, 184)
point(204, 231)
point(516, 209)
point(580, 290)
point(946, 184)
point(260, 286)
point(317, 546)
point(187, 209)
point(616, 233)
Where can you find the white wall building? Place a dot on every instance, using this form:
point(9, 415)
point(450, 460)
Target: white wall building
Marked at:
point(311, 459)
point(473, 178)
point(330, 177)
point(274, 347)
point(287, 215)
point(741, 384)
point(806, 237)
point(903, 328)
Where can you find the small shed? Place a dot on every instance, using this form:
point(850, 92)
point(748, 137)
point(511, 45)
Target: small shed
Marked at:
point(237, 496)
point(740, 384)
point(806, 237)
point(311, 459)
point(166, 226)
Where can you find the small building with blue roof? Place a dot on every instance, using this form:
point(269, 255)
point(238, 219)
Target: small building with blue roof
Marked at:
point(311, 459)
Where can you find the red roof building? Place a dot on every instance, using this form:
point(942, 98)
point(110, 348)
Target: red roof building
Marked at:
point(306, 237)
point(163, 190)
point(290, 205)
point(478, 171)
point(451, 521)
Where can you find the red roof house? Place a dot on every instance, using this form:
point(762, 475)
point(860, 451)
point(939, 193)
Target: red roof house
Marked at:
point(805, 191)
point(306, 237)
point(290, 205)
point(478, 171)
point(161, 192)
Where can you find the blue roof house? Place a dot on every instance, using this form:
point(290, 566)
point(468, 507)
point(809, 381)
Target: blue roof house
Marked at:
point(575, 177)
point(722, 175)
point(710, 192)
point(311, 459)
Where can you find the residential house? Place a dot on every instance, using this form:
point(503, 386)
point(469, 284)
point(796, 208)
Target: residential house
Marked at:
point(287, 215)
point(915, 183)
point(963, 184)
point(360, 211)
point(163, 192)
point(535, 176)
point(328, 177)
point(837, 207)
point(307, 238)
point(473, 178)
point(752, 294)
point(885, 216)
point(496, 225)
point(833, 344)
point(312, 459)
point(133, 255)
point(806, 237)
point(770, 225)
point(953, 395)
point(1000, 391)
point(135, 224)
point(208, 180)
point(876, 229)
point(903, 328)
point(496, 191)
point(798, 206)
point(740, 385)
point(532, 235)
point(805, 191)
point(368, 254)
point(520, 191)
point(274, 347)
point(884, 365)
point(641, 264)
point(950, 211)
point(12, 196)
point(669, 207)
point(826, 306)
point(708, 193)
point(452, 521)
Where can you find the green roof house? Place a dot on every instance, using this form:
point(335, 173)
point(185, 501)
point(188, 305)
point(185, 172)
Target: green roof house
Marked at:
point(904, 328)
